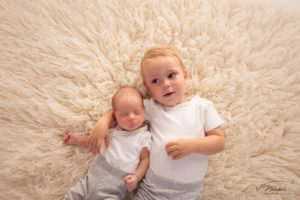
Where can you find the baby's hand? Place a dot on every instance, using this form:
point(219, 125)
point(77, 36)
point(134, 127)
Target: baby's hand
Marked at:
point(179, 148)
point(131, 182)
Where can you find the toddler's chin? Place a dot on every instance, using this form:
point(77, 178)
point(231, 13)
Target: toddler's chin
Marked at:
point(169, 103)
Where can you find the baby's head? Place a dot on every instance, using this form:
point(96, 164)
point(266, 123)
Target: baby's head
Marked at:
point(164, 75)
point(128, 108)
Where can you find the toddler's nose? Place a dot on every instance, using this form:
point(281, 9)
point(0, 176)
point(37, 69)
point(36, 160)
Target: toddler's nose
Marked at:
point(166, 83)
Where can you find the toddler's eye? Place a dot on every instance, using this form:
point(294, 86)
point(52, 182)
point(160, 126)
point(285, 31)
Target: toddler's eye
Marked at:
point(155, 81)
point(171, 75)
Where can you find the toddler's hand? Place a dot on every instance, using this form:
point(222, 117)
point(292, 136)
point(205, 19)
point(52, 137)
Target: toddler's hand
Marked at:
point(178, 149)
point(95, 142)
point(131, 182)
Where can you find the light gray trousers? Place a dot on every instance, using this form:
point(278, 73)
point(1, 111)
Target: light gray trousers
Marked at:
point(154, 187)
point(101, 182)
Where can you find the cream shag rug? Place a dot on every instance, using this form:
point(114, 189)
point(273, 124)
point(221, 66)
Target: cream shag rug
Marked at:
point(61, 61)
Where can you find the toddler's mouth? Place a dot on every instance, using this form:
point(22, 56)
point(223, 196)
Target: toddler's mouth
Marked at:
point(168, 94)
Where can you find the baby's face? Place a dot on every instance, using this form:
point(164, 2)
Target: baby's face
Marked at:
point(129, 112)
point(165, 79)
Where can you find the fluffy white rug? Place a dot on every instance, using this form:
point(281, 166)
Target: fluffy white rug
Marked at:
point(61, 61)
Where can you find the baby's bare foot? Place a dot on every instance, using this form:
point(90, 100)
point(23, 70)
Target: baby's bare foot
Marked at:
point(69, 138)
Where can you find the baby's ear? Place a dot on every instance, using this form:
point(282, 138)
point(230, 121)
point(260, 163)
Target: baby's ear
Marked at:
point(113, 115)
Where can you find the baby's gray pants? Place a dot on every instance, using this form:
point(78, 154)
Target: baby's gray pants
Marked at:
point(101, 182)
point(155, 187)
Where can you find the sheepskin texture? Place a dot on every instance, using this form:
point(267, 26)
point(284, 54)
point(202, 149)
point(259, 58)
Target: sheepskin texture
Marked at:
point(61, 62)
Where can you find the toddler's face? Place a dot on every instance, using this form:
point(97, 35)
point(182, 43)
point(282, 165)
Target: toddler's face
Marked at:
point(165, 79)
point(129, 113)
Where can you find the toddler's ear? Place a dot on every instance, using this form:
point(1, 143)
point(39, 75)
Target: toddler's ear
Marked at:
point(186, 75)
point(146, 88)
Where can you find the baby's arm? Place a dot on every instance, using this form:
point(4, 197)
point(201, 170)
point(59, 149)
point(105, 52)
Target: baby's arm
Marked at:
point(133, 179)
point(214, 142)
point(70, 138)
point(100, 132)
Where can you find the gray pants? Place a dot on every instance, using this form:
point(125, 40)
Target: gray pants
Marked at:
point(155, 187)
point(101, 182)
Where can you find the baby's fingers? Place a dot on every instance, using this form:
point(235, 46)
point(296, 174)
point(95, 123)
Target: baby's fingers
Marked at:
point(126, 178)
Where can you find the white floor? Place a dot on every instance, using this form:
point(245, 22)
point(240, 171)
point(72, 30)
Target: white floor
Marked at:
point(289, 3)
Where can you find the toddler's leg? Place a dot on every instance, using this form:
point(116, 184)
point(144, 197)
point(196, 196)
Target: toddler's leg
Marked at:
point(70, 138)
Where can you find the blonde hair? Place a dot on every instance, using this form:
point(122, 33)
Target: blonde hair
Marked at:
point(163, 50)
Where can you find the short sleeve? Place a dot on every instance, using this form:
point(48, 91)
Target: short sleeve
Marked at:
point(146, 140)
point(147, 105)
point(212, 119)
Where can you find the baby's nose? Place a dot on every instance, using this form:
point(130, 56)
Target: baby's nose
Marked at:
point(131, 116)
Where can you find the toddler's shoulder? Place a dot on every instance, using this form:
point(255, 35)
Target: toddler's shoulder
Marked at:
point(202, 101)
point(147, 102)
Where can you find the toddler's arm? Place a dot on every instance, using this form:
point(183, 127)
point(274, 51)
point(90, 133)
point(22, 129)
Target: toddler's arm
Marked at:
point(214, 142)
point(133, 179)
point(100, 132)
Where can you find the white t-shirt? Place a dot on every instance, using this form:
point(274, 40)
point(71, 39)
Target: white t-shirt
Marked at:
point(187, 120)
point(125, 147)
